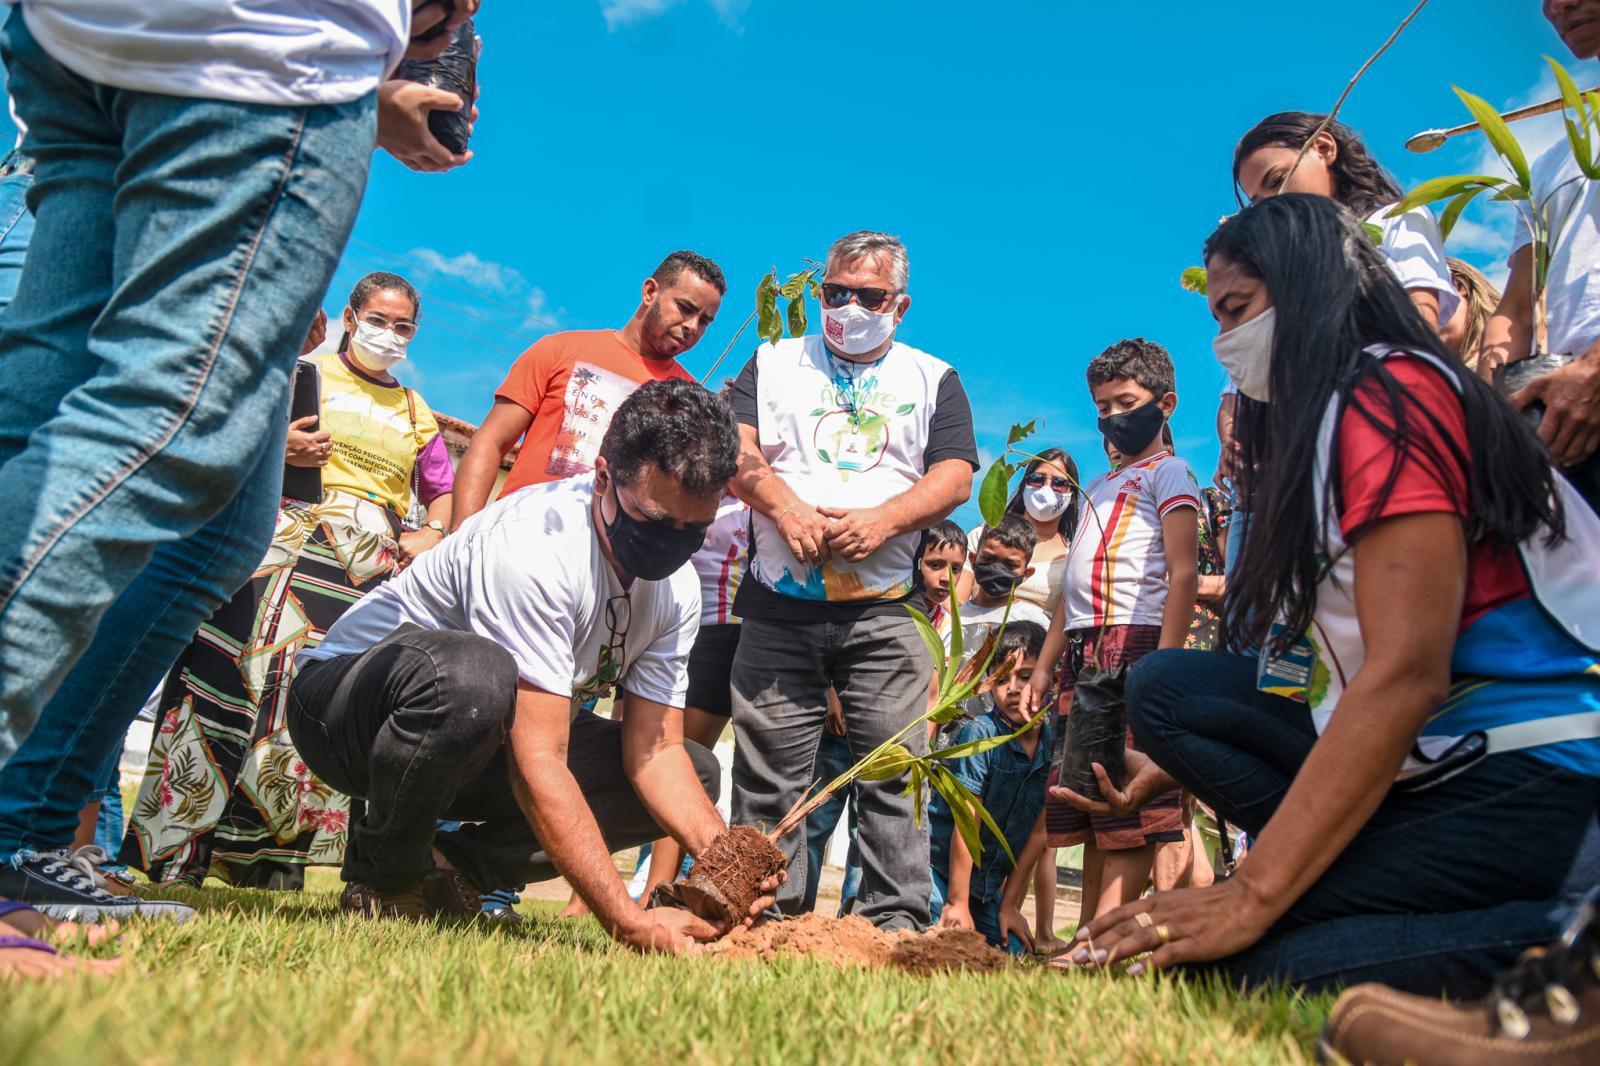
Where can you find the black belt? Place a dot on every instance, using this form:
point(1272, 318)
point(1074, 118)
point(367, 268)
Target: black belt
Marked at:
point(15, 163)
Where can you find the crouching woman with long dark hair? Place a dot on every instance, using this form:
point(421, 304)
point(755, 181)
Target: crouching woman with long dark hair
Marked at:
point(1417, 748)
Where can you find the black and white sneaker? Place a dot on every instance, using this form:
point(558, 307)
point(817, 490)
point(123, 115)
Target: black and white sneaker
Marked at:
point(66, 886)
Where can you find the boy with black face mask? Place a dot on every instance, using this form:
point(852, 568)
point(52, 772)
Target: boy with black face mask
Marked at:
point(1130, 589)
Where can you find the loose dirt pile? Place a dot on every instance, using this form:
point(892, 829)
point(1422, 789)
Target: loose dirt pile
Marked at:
point(853, 941)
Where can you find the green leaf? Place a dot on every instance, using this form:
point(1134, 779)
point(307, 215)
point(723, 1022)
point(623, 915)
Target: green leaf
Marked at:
point(1447, 221)
point(819, 412)
point(1498, 133)
point(887, 764)
point(1020, 431)
point(957, 646)
point(768, 325)
point(1577, 130)
point(1193, 279)
point(978, 747)
point(822, 453)
point(1005, 845)
point(961, 802)
point(993, 493)
point(1374, 233)
point(797, 316)
point(905, 408)
point(792, 288)
point(930, 637)
point(1436, 189)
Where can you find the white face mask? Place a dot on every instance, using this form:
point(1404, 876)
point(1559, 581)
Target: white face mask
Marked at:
point(1246, 353)
point(853, 330)
point(1045, 503)
point(377, 349)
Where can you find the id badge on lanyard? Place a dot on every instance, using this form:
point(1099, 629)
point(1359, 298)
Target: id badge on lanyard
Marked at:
point(854, 451)
point(1287, 673)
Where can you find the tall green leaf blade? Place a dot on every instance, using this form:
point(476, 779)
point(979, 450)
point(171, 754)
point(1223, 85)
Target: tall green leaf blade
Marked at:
point(1436, 189)
point(1452, 214)
point(886, 764)
point(978, 747)
point(960, 801)
point(994, 492)
point(930, 637)
point(957, 639)
point(1498, 133)
point(1577, 128)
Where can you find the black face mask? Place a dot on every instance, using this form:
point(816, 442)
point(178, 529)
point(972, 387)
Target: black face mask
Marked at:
point(1132, 431)
point(650, 550)
point(995, 579)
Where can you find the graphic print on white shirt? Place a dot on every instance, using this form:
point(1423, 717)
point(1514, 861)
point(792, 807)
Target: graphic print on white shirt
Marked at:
point(1117, 566)
point(842, 435)
point(528, 573)
point(593, 396)
point(721, 561)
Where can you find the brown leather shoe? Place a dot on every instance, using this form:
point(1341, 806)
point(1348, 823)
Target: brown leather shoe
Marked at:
point(371, 902)
point(1544, 1011)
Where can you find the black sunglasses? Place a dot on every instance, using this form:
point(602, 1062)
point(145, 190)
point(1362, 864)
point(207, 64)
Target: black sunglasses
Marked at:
point(838, 295)
point(1033, 481)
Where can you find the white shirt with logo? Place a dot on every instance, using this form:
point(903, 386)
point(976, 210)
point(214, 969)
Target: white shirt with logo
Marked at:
point(1117, 566)
point(528, 573)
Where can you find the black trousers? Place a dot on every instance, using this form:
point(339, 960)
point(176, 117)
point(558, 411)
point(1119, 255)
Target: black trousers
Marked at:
point(416, 725)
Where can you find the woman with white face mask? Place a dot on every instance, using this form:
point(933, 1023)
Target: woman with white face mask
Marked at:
point(261, 817)
point(1421, 584)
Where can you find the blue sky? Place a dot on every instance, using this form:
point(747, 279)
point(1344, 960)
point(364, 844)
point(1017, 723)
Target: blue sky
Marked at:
point(1051, 166)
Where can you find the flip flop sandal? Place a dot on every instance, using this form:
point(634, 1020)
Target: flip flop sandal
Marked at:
point(11, 906)
point(26, 942)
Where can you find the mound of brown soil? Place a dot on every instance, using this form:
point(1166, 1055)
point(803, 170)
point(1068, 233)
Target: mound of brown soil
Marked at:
point(853, 941)
point(943, 950)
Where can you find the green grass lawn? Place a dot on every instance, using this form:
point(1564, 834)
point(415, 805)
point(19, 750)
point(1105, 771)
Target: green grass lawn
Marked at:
point(280, 979)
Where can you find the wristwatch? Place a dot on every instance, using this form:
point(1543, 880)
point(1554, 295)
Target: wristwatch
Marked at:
point(437, 526)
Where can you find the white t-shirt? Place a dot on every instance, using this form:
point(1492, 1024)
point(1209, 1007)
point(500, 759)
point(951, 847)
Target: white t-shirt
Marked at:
point(281, 52)
point(1412, 247)
point(1117, 568)
point(1572, 296)
point(721, 561)
point(528, 573)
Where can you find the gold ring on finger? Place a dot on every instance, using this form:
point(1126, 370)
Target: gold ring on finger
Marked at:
point(1144, 919)
point(1163, 934)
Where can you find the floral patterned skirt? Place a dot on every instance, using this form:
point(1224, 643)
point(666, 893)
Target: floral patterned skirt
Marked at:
point(225, 792)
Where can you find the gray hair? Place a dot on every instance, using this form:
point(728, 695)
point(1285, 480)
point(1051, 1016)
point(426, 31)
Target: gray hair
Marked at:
point(861, 244)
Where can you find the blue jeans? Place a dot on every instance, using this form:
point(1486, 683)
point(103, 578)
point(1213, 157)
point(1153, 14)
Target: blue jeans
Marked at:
point(180, 250)
point(833, 759)
point(109, 827)
point(985, 914)
point(1440, 890)
point(16, 230)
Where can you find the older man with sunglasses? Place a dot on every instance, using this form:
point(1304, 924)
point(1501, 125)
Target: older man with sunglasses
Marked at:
point(453, 692)
point(852, 444)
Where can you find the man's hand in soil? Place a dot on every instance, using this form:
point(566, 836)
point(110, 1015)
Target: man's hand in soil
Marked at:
point(955, 916)
point(856, 534)
point(1146, 781)
point(668, 930)
point(1571, 397)
point(768, 898)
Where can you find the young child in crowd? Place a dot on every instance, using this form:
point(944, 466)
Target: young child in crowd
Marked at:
point(1010, 783)
point(940, 560)
point(1131, 588)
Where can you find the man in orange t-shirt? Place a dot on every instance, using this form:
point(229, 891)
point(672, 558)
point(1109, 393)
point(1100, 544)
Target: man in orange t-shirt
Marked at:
point(560, 394)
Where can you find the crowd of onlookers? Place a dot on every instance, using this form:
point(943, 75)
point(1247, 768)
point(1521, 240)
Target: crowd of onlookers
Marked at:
point(1364, 651)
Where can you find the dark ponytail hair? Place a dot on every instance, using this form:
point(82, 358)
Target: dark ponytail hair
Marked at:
point(1359, 183)
point(1068, 522)
point(380, 281)
point(1334, 296)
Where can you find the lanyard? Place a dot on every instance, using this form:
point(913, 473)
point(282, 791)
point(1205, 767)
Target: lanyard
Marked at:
point(855, 387)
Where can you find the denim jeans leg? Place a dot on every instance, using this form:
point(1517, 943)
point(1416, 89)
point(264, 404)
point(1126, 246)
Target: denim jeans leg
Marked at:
point(146, 356)
point(16, 231)
point(880, 670)
point(833, 759)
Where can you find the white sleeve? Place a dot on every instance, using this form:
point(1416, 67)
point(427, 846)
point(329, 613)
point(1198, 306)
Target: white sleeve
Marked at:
point(1415, 253)
point(525, 602)
point(975, 537)
point(661, 672)
point(1174, 485)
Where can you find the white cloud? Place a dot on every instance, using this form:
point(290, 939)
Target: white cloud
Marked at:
point(626, 12)
point(541, 316)
point(468, 267)
point(619, 13)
